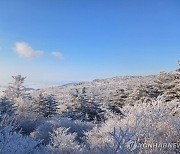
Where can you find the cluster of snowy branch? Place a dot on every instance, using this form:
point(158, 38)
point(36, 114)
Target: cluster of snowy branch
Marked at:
point(147, 114)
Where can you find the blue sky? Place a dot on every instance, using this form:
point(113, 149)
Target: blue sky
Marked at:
point(91, 38)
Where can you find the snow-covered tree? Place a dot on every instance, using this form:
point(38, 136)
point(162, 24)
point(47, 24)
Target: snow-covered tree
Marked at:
point(16, 88)
point(16, 92)
point(46, 105)
point(39, 104)
point(51, 106)
point(6, 107)
point(85, 108)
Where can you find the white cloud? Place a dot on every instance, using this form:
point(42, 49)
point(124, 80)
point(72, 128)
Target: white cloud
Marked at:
point(24, 50)
point(58, 55)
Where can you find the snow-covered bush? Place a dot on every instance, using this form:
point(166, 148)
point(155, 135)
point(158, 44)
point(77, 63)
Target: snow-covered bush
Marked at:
point(120, 142)
point(12, 142)
point(100, 133)
point(42, 130)
point(63, 142)
point(169, 84)
point(27, 121)
point(143, 94)
point(155, 122)
point(43, 127)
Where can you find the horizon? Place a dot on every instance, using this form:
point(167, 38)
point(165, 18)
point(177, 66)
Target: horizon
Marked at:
point(72, 41)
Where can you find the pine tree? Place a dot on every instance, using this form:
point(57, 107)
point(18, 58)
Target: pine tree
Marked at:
point(39, 104)
point(16, 92)
point(16, 88)
point(85, 107)
point(46, 106)
point(51, 106)
point(6, 107)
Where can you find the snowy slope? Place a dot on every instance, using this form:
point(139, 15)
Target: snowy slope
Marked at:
point(101, 90)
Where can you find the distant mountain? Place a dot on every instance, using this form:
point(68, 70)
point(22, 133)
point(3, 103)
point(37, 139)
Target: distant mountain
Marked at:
point(67, 84)
point(1, 86)
point(29, 89)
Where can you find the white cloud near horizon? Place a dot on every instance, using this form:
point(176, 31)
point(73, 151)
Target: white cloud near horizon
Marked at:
point(58, 55)
point(24, 50)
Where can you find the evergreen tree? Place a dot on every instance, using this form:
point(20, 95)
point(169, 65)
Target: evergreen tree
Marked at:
point(46, 106)
point(16, 88)
point(16, 92)
point(85, 107)
point(51, 106)
point(39, 104)
point(6, 107)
